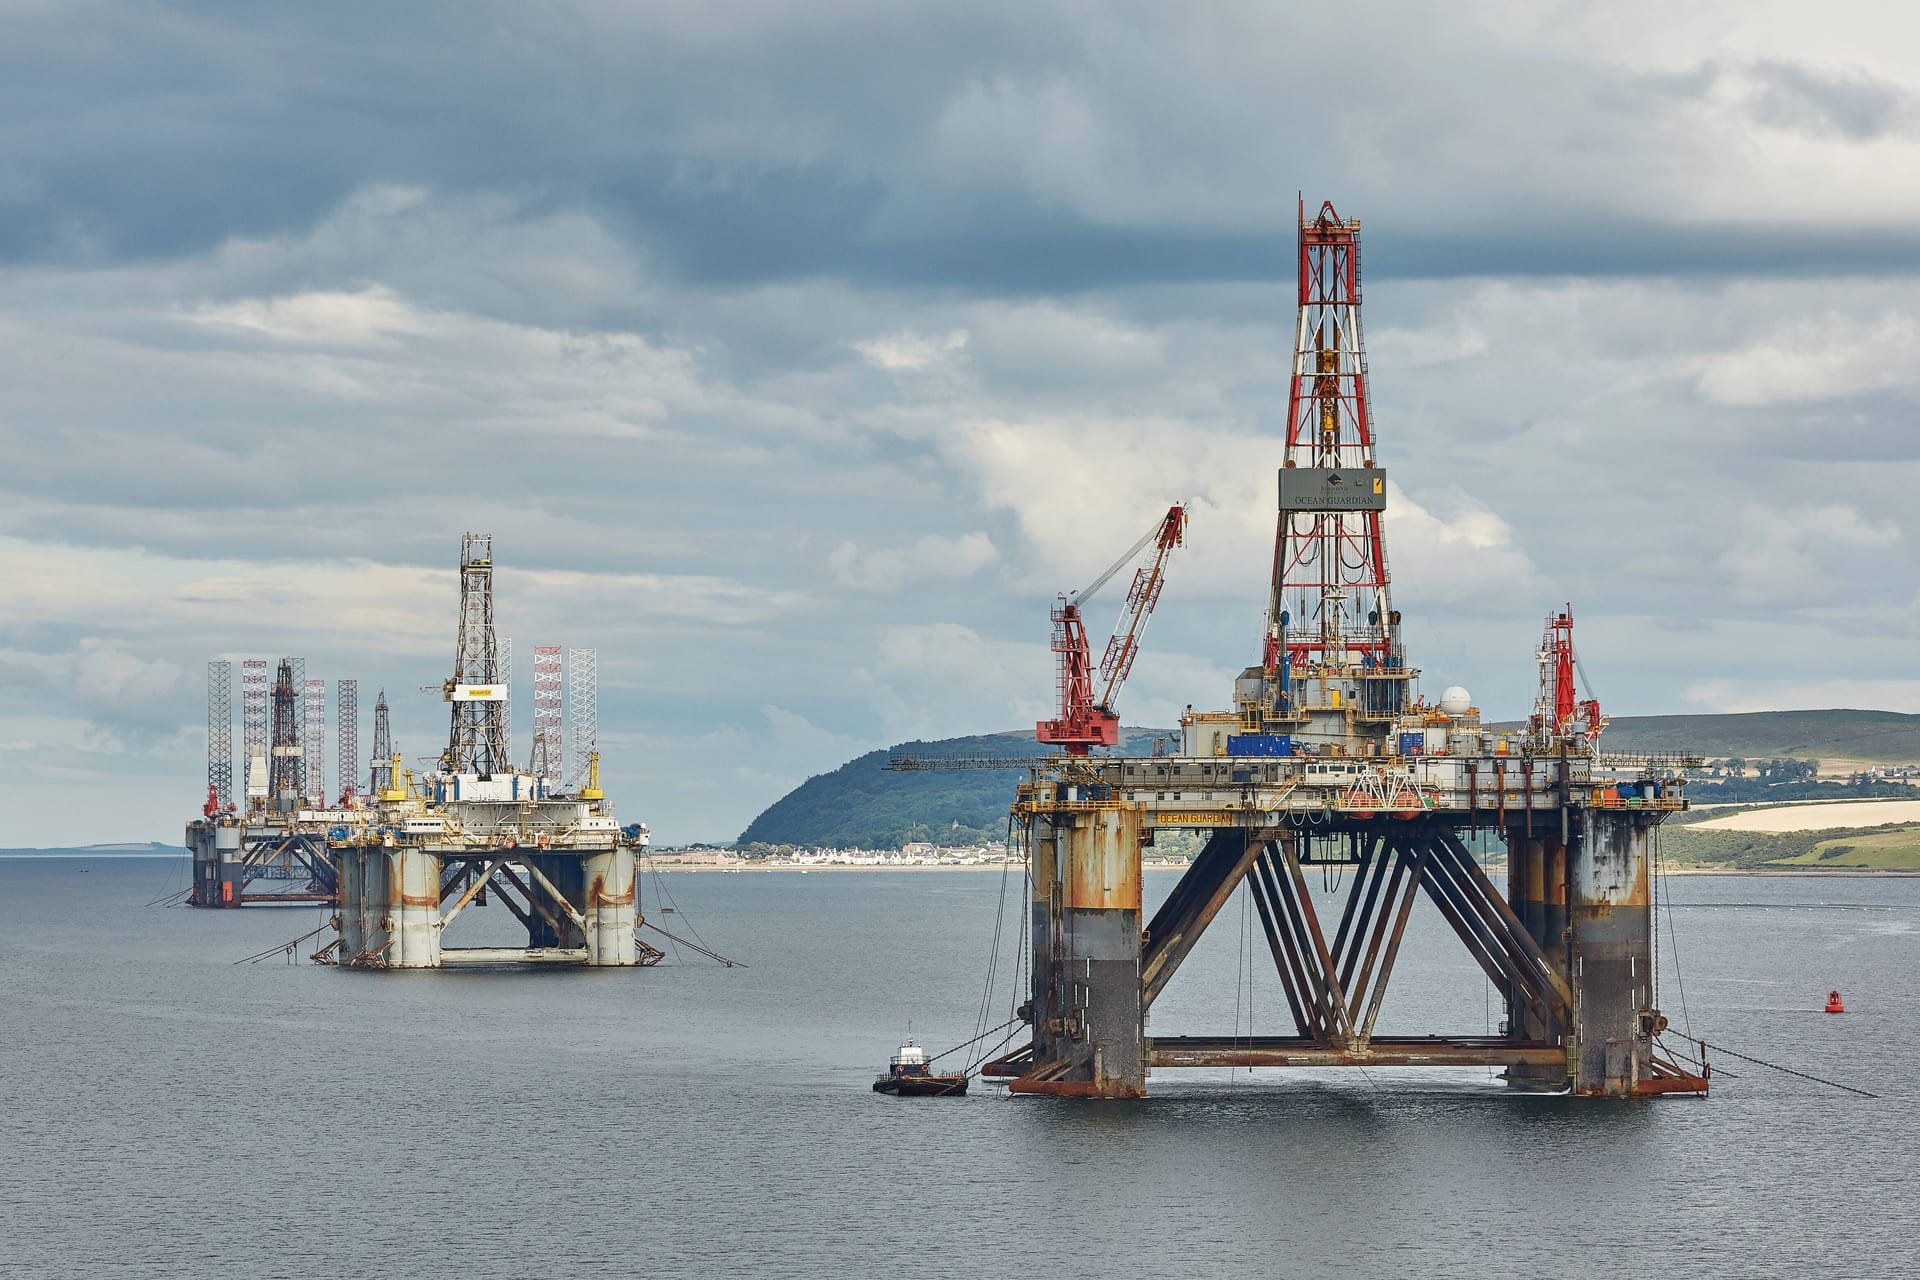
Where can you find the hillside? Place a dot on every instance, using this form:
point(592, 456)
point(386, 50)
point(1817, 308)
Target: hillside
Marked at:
point(1881, 737)
point(861, 805)
point(152, 848)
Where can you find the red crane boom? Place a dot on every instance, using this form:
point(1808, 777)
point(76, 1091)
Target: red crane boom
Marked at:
point(1084, 720)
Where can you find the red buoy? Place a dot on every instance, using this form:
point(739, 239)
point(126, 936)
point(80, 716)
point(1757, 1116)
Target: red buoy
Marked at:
point(1833, 1003)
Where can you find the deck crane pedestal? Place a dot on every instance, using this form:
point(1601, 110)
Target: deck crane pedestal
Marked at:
point(1086, 721)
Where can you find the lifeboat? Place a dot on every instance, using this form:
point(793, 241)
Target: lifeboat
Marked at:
point(1833, 1003)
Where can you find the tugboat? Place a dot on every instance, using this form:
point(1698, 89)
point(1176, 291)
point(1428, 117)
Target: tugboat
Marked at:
point(1833, 1003)
point(908, 1076)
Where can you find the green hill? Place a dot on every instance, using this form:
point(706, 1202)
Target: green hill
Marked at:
point(861, 805)
point(1883, 737)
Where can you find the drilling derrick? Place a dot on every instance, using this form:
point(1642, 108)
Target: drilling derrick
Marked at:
point(478, 741)
point(1332, 637)
point(286, 775)
point(381, 777)
point(1087, 720)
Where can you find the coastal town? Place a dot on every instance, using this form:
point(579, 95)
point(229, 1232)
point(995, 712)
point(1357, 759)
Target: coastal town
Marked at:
point(912, 856)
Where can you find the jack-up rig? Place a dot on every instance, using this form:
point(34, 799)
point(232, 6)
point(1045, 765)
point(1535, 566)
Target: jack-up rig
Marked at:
point(402, 861)
point(1330, 757)
point(267, 846)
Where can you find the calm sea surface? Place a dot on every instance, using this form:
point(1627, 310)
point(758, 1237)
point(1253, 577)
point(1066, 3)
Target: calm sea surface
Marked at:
point(165, 1112)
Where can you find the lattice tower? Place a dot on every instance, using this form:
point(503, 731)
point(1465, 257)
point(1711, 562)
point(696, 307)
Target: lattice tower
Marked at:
point(506, 702)
point(1330, 598)
point(254, 697)
point(549, 688)
point(220, 732)
point(382, 776)
point(346, 703)
point(477, 741)
point(583, 713)
point(313, 740)
point(285, 774)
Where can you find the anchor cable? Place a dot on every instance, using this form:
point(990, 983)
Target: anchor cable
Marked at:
point(694, 946)
point(1774, 1066)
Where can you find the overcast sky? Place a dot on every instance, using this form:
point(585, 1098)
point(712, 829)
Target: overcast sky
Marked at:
point(797, 354)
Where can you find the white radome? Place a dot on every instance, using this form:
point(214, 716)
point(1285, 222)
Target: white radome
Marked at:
point(1455, 700)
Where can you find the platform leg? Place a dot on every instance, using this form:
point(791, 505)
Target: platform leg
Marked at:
point(1611, 927)
point(1088, 1015)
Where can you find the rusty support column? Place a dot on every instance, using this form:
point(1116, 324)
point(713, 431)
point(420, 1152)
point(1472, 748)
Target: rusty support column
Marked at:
point(1612, 943)
point(610, 910)
point(1089, 1026)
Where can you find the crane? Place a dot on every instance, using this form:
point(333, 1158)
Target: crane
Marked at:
point(1086, 720)
point(1557, 713)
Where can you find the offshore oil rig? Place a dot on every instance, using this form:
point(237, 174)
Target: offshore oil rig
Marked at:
point(404, 859)
point(267, 846)
point(1330, 756)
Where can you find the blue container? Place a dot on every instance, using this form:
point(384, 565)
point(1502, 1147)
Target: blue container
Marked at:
point(1411, 743)
point(1259, 744)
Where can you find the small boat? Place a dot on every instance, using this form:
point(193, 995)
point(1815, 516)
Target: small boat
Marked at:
point(909, 1076)
point(1833, 1003)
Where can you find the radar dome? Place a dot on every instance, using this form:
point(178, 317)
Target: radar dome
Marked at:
point(1456, 701)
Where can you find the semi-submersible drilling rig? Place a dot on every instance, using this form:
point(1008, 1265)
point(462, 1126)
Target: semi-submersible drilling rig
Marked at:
point(1330, 756)
point(402, 860)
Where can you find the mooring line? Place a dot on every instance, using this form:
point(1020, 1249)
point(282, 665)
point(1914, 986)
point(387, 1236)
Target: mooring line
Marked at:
point(694, 946)
point(1774, 1066)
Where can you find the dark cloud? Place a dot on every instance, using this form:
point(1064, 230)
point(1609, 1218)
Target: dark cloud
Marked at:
point(998, 149)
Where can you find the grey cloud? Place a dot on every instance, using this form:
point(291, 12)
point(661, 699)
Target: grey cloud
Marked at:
point(893, 146)
point(1851, 105)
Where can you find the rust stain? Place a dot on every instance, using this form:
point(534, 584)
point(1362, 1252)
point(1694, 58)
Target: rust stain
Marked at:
point(1075, 1088)
point(1103, 856)
point(597, 894)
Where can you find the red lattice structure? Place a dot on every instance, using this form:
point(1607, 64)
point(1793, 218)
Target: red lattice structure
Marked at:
point(1330, 608)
